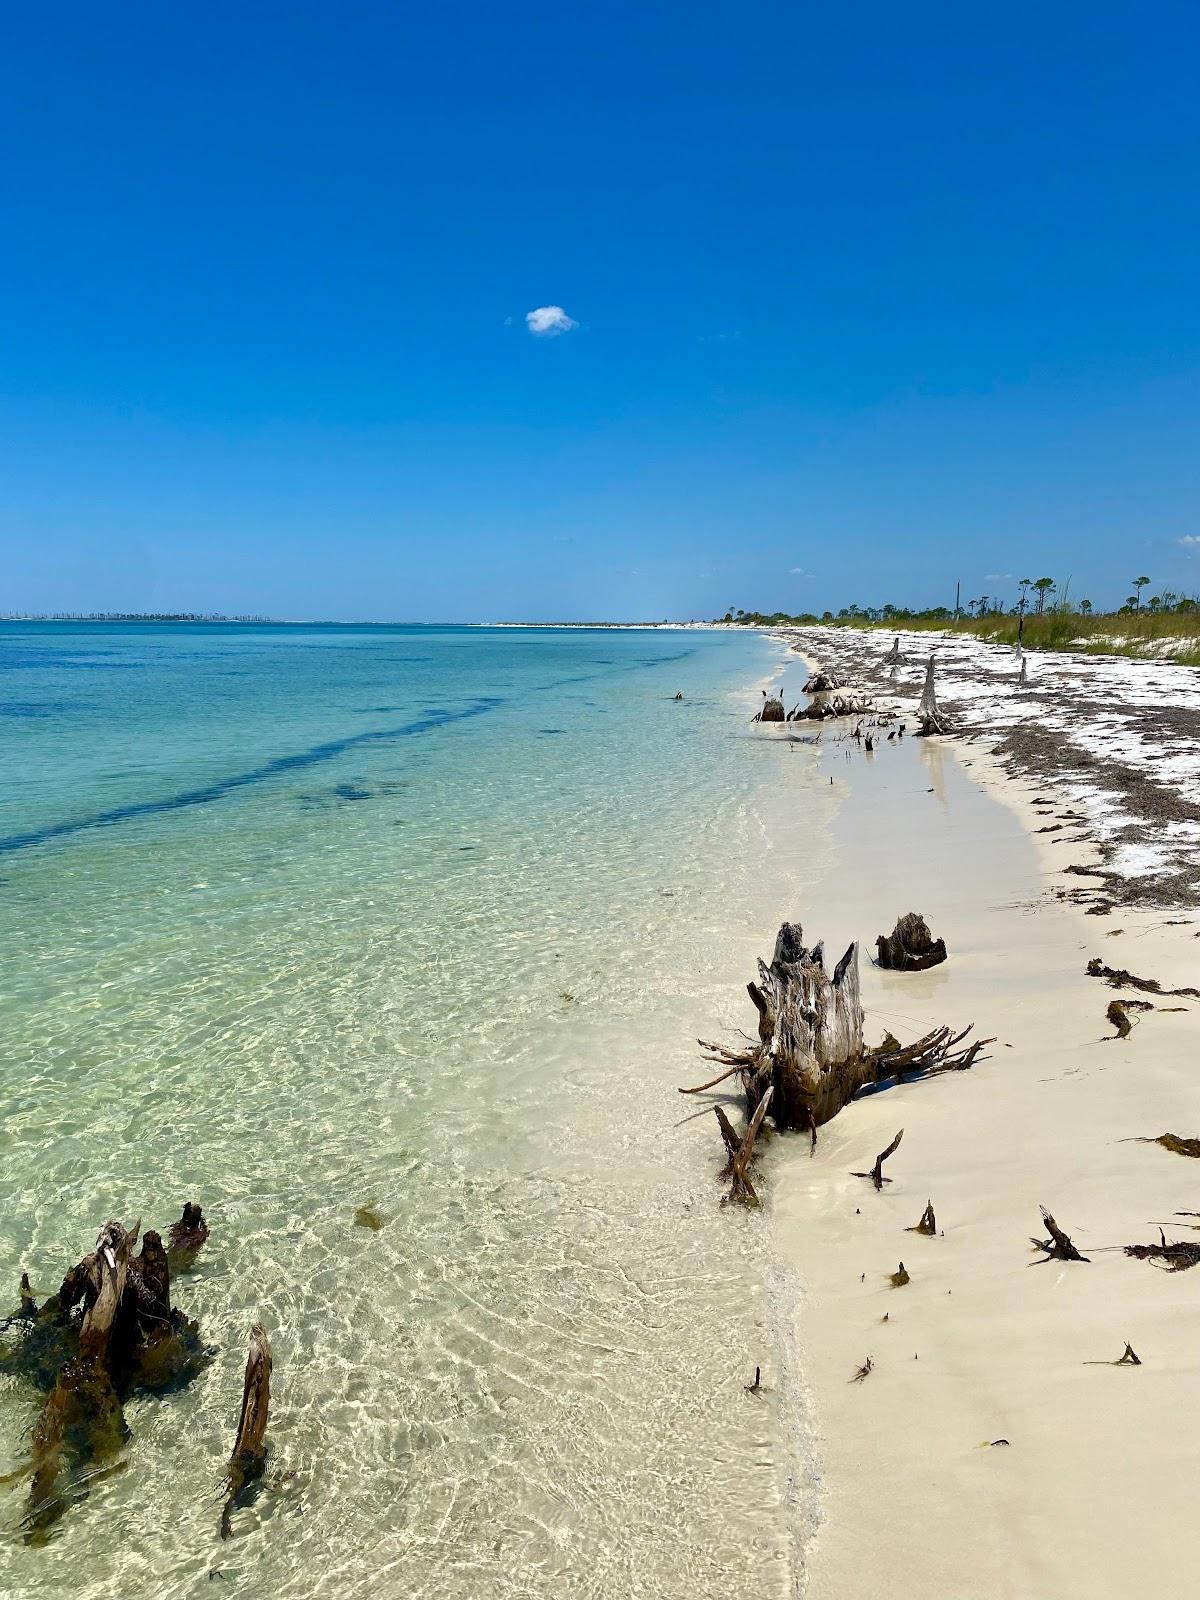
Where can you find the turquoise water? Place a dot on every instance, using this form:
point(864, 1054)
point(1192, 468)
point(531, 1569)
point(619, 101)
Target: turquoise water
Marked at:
point(294, 919)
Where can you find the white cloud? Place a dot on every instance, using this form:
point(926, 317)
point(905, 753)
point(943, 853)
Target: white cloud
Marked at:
point(799, 572)
point(1190, 541)
point(547, 321)
point(997, 577)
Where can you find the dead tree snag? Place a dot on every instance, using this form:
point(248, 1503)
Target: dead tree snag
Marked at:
point(930, 717)
point(810, 1046)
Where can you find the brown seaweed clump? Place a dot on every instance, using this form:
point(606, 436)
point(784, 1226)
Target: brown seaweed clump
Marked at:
point(1176, 1257)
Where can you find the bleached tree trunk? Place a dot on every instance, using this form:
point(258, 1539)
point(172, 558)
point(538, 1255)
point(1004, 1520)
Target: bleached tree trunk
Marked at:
point(930, 718)
point(810, 1052)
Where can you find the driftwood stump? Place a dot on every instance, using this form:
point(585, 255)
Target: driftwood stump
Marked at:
point(771, 710)
point(82, 1422)
point(810, 1048)
point(910, 947)
point(249, 1458)
point(109, 1332)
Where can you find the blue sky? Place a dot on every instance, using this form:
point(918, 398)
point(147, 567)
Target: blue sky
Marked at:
point(867, 298)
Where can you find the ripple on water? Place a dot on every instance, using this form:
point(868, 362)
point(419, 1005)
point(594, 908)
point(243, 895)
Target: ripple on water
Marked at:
point(528, 1382)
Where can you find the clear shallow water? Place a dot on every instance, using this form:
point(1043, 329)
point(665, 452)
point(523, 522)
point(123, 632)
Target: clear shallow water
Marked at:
point(295, 919)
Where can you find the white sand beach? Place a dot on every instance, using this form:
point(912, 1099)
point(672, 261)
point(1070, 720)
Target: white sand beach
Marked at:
point(988, 1342)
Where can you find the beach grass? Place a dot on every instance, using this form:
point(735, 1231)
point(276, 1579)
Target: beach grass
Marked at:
point(1171, 636)
point(1147, 635)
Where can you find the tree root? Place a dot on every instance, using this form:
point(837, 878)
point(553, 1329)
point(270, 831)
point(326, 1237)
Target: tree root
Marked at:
point(740, 1151)
point(876, 1173)
point(1059, 1246)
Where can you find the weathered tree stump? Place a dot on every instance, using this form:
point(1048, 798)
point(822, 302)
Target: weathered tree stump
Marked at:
point(82, 1422)
point(810, 1048)
point(771, 710)
point(910, 947)
point(928, 715)
point(249, 1458)
point(186, 1237)
point(892, 659)
point(109, 1331)
point(822, 683)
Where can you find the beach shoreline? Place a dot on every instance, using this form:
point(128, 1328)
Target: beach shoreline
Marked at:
point(984, 1344)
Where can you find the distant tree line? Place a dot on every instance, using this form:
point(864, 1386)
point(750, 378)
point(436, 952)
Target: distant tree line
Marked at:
point(124, 616)
point(1034, 595)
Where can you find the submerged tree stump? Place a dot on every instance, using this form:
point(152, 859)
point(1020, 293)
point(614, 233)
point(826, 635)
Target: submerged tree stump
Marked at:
point(82, 1422)
point(249, 1458)
point(811, 1052)
point(771, 710)
point(910, 947)
point(109, 1332)
point(186, 1237)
